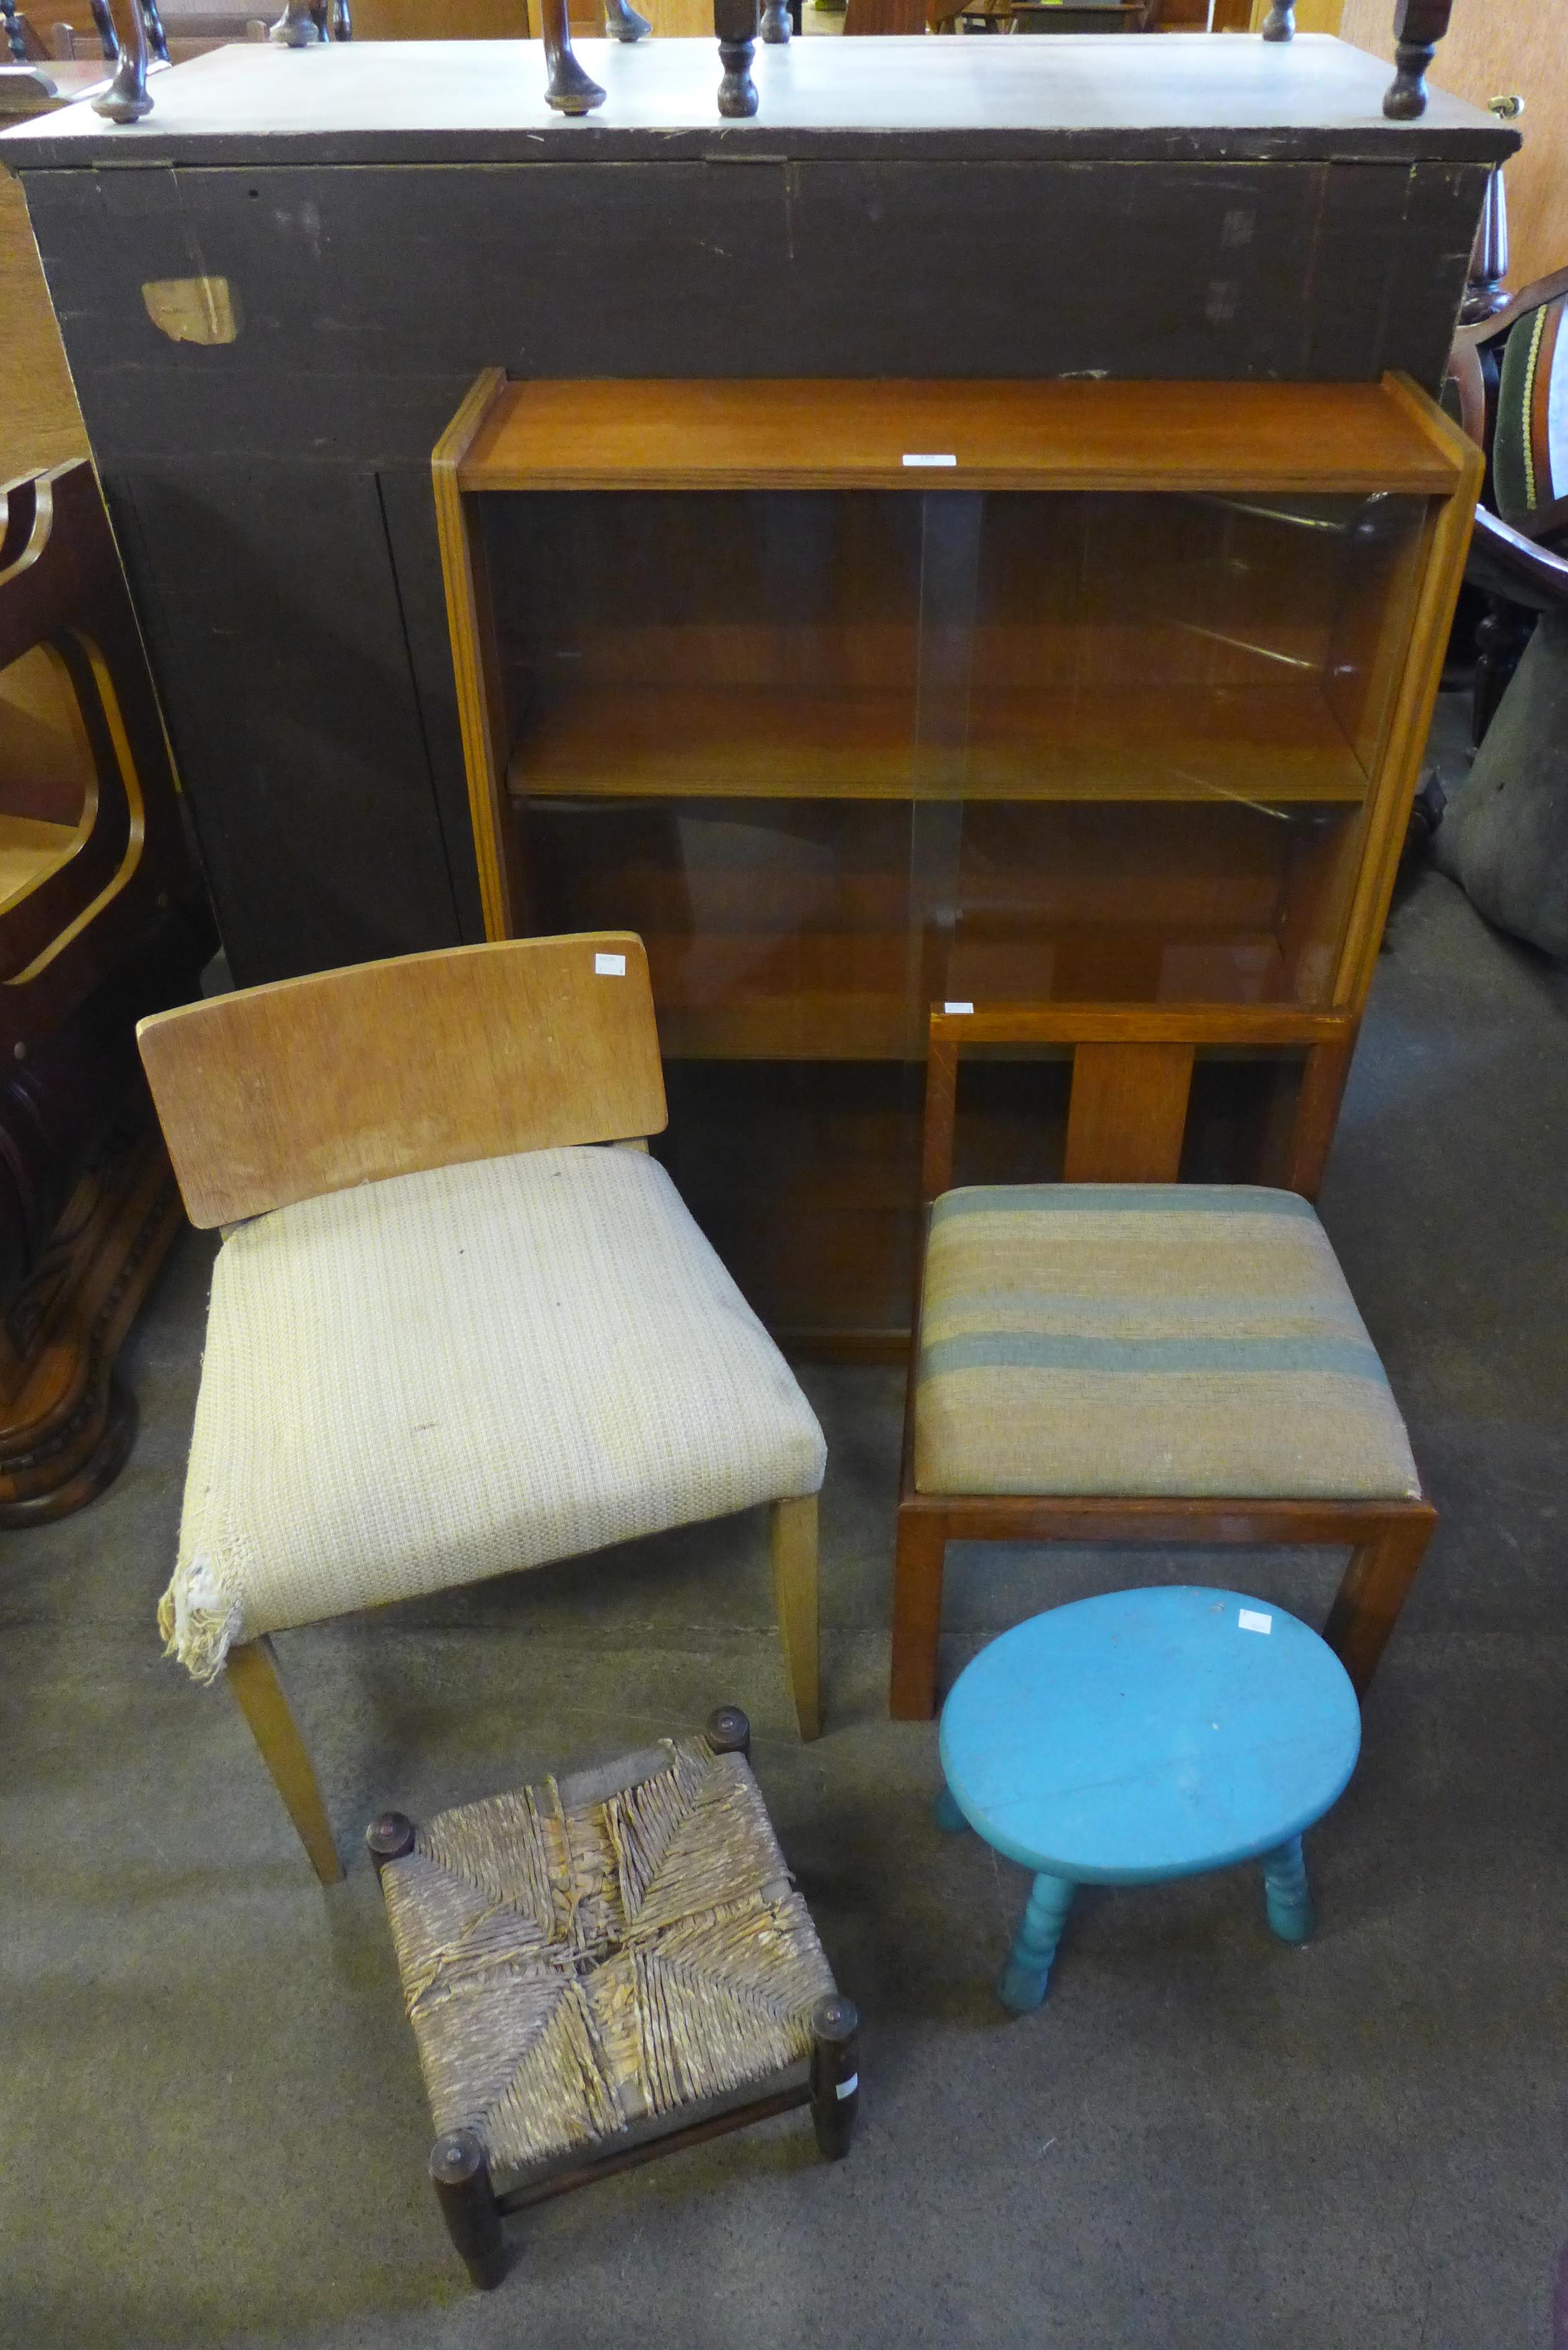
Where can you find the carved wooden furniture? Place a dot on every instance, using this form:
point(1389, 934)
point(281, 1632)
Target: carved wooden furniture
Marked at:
point(604, 1969)
point(1122, 1358)
point(1144, 1736)
point(847, 697)
point(499, 1345)
point(101, 920)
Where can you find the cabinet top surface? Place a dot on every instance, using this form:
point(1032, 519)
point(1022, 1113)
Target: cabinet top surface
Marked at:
point(1191, 96)
point(955, 436)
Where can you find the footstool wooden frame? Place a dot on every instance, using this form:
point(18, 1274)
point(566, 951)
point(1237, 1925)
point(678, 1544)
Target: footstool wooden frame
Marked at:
point(605, 1968)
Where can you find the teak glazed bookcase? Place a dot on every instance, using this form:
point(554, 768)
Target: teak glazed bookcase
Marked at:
point(851, 696)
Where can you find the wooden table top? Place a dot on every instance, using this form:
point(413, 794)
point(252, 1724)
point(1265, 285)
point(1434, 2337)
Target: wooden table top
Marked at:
point(1078, 97)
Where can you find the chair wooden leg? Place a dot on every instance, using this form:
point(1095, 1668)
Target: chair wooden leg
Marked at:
point(792, 1531)
point(916, 1613)
point(251, 1672)
point(1367, 1602)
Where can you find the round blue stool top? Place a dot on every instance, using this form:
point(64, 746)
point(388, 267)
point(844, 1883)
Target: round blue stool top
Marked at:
point(1149, 1734)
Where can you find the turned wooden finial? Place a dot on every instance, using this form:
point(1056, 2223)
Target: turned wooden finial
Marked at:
point(390, 1837)
point(735, 23)
point(126, 99)
point(568, 89)
point(728, 1732)
point(1418, 27)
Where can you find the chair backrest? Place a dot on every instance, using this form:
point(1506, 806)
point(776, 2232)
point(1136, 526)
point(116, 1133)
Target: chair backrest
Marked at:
point(310, 1086)
point(1132, 1072)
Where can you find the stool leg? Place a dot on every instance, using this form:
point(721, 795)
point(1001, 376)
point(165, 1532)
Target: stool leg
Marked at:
point(916, 1613)
point(1291, 1913)
point(948, 1817)
point(835, 2074)
point(460, 2176)
point(1028, 1968)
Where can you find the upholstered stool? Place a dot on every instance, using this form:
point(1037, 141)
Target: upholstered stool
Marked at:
point(1125, 1358)
point(1146, 1735)
point(603, 1969)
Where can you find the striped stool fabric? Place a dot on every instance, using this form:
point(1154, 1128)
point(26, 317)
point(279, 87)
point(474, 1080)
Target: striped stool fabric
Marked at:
point(1147, 1338)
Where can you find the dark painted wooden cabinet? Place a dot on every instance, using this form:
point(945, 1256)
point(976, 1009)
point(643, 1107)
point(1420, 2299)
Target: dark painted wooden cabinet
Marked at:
point(388, 220)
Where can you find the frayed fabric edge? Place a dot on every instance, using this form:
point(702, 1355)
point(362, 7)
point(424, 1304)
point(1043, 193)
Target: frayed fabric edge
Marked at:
point(199, 1621)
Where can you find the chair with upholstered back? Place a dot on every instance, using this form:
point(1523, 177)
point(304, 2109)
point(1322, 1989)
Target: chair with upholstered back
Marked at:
point(1123, 1358)
point(451, 1333)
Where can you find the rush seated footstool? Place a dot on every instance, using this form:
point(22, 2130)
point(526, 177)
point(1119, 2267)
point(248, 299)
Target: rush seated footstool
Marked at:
point(603, 1969)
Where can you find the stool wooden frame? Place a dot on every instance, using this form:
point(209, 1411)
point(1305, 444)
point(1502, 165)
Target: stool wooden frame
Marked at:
point(1132, 1071)
point(828, 2080)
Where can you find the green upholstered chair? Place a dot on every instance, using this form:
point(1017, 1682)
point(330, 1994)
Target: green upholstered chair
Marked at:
point(1121, 1357)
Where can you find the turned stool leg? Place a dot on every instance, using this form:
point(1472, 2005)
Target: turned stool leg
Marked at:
point(948, 1817)
point(1028, 1968)
point(1291, 1913)
point(835, 2074)
point(461, 2176)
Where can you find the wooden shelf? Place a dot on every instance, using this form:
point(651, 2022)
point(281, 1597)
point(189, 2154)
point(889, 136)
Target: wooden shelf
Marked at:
point(1267, 744)
point(838, 434)
point(826, 1000)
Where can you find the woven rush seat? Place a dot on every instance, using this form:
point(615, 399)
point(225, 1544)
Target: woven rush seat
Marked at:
point(1147, 1339)
point(604, 1962)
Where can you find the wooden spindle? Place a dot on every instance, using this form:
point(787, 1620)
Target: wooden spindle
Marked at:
point(297, 27)
point(1280, 23)
point(568, 89)
point(126, 99)
point(735, 23)
point(1418, 27)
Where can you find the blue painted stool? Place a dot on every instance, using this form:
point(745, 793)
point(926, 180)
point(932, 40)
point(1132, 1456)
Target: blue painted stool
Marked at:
point(1145, 1735)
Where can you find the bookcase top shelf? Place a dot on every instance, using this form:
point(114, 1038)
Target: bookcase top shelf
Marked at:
point(843, 434)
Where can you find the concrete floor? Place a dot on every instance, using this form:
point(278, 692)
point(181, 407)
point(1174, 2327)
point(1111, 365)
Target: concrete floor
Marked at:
point(212, 2127)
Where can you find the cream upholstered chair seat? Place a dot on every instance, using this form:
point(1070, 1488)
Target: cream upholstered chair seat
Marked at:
point(446, 1376)
point(454, 1329)
point(1193, 1339)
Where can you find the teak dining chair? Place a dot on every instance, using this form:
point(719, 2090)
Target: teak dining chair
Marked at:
point(1121, 1357)
point(449, 1335)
